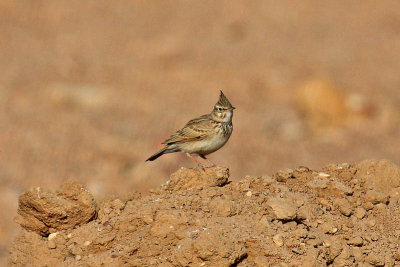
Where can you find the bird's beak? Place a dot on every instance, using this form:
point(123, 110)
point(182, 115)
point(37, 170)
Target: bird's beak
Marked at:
point(232, 108)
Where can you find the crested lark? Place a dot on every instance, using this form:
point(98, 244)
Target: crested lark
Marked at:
point(203, 135)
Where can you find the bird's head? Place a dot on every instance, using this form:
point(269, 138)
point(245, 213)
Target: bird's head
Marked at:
point(223, 110)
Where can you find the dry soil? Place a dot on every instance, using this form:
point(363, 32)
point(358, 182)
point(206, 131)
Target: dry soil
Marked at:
point(342, 215)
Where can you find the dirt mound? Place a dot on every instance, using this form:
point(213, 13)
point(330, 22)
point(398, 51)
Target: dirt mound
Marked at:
point(45, 212)
point(296, 217)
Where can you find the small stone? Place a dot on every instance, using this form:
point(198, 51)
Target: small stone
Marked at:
point(324, 175)
point(374, 237)
point(318, 183)
point(283, 175)
point(131, 228)
point(329, 228)
point(51, 244)
point(376, 197)
point(325, 203)
point(326, 244)
point(278, 240)
point(75, 250)
point(342, 187)
point(147, 219)
point(197, 179)
point(356, 241)
point(315, 242)
point(368, 205)
point(69, 236)
point(118, 204)
point(264, 222)
point(304, 213)
point(78, 257)
point(359, 213)
point(298, 250)
point(249, 194)
point(301, 233)
point(60, 240)
point(87, 243)
point(344, 206)
point(222, 207)
point(302, 169)
point(281, 209)
point(51, 236)
point(244, 185)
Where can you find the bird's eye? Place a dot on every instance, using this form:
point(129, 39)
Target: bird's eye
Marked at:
point(219, 109)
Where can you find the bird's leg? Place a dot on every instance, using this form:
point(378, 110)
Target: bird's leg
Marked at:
point(199, 165)
point(209, 161)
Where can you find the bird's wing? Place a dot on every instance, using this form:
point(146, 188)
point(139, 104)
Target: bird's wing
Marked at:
point(195, 130)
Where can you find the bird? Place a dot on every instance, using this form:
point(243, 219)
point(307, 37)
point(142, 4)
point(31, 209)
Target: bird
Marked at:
point(203, 135)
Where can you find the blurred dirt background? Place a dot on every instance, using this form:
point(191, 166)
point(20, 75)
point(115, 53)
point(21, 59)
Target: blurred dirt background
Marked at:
point(88, 90)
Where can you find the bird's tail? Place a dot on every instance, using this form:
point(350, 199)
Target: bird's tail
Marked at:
point(163, 151)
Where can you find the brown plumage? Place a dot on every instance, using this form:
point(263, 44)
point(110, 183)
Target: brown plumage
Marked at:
point(203, 135)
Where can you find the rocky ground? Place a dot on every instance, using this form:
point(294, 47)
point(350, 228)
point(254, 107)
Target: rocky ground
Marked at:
point(342, 215)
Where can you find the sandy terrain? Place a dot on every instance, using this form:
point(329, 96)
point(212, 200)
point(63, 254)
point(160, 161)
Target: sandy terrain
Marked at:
point(89, 90)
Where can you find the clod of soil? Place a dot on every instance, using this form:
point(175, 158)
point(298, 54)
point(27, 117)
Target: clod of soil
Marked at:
point(44, 212)
point(296, 217)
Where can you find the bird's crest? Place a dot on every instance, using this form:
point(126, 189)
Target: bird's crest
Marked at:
point(223, 101)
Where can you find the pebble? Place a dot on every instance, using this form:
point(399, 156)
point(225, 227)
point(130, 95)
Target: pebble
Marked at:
point(359, 213)
point(278, 240)
point(283, 175)
point(347, 190)
point(343, 206)
point(264, 222)
point(326, 244)
point(298, 250)
point(281, 209)
point(118, 204)
point(324, 175)
point(325, 203)
point(356, 241)
point(374, 237)
point(329, 228)
point(318, 183)
point(51, 244)
point(51, 236)
point(376, 197)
